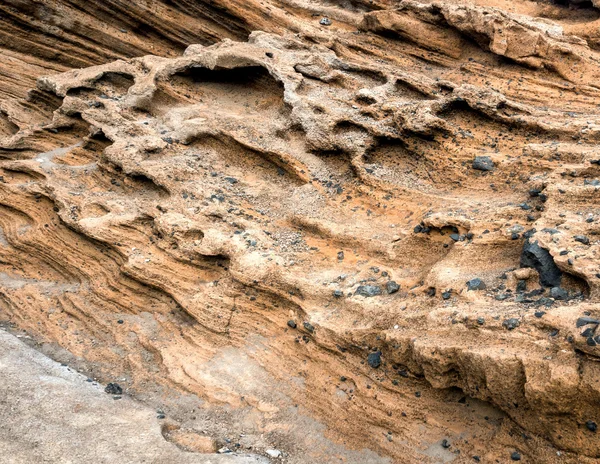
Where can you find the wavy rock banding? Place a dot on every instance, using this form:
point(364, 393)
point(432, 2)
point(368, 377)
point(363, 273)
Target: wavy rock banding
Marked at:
point(418, 182)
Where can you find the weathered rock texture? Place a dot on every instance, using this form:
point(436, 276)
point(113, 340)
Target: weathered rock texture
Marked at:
point(163, 218)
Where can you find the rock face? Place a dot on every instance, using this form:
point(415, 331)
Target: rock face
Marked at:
point(172, 201)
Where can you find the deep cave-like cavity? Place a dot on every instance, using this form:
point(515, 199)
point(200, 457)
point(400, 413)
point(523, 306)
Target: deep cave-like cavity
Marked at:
point(238, 91)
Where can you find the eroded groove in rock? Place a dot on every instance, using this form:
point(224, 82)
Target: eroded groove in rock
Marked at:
point(353, 232)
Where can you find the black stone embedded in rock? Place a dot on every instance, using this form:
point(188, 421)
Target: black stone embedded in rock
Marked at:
point(541, 260)
point(586, 320)
point(582, 239)
point(291, 324)
point(325, 22)
point(559, 293)
point(483, 163)
point(113, 389)
point(338, 293)
point(374, 359)
point(368, 290)
point(308, 326)
point(591, 426)
point(511, 323)
point(589, 332)
point(515, 456)
point(476, 284)
point(445, 444)
point(447, 294)
point(392, 287)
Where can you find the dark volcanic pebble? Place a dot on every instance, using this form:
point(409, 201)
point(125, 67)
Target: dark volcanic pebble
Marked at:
point(582, 239)
point(483, 163)
point(291, 324)
point(368, 290)
point(591, 426)
point(586, 320)
point(541, 260)
point(511, 323)
point(113, 389)
point(476, 284)
point(515, 456)
point(559, 293)
point(308, 326)
point(374, 359)
point(392, 287)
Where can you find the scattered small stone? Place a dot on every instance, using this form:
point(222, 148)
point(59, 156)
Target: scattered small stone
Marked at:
point(591, 426)
point(586, 320)
point(308, 326)
point(582, 239)
point(447, 294)
point(325, 22)
point(338, 293)
point(445, 444)
point(480, 320)
point(589, 332)
point(539, 314)
point(273, 453)
point(374, 359)
point(113, 389)
point(368, 290)
point(224, 450)
point(392, 287)
point(483, 163)
point(511, 323)
point(476, 284)
point(455, 237)
point(559, 293)
point(340, 255)
point(291, 324)
point(515, 456)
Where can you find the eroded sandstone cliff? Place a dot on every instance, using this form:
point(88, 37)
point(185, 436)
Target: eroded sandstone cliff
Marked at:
point(349, 231)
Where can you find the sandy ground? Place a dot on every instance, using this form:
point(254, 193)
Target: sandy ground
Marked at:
point(50, 413)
